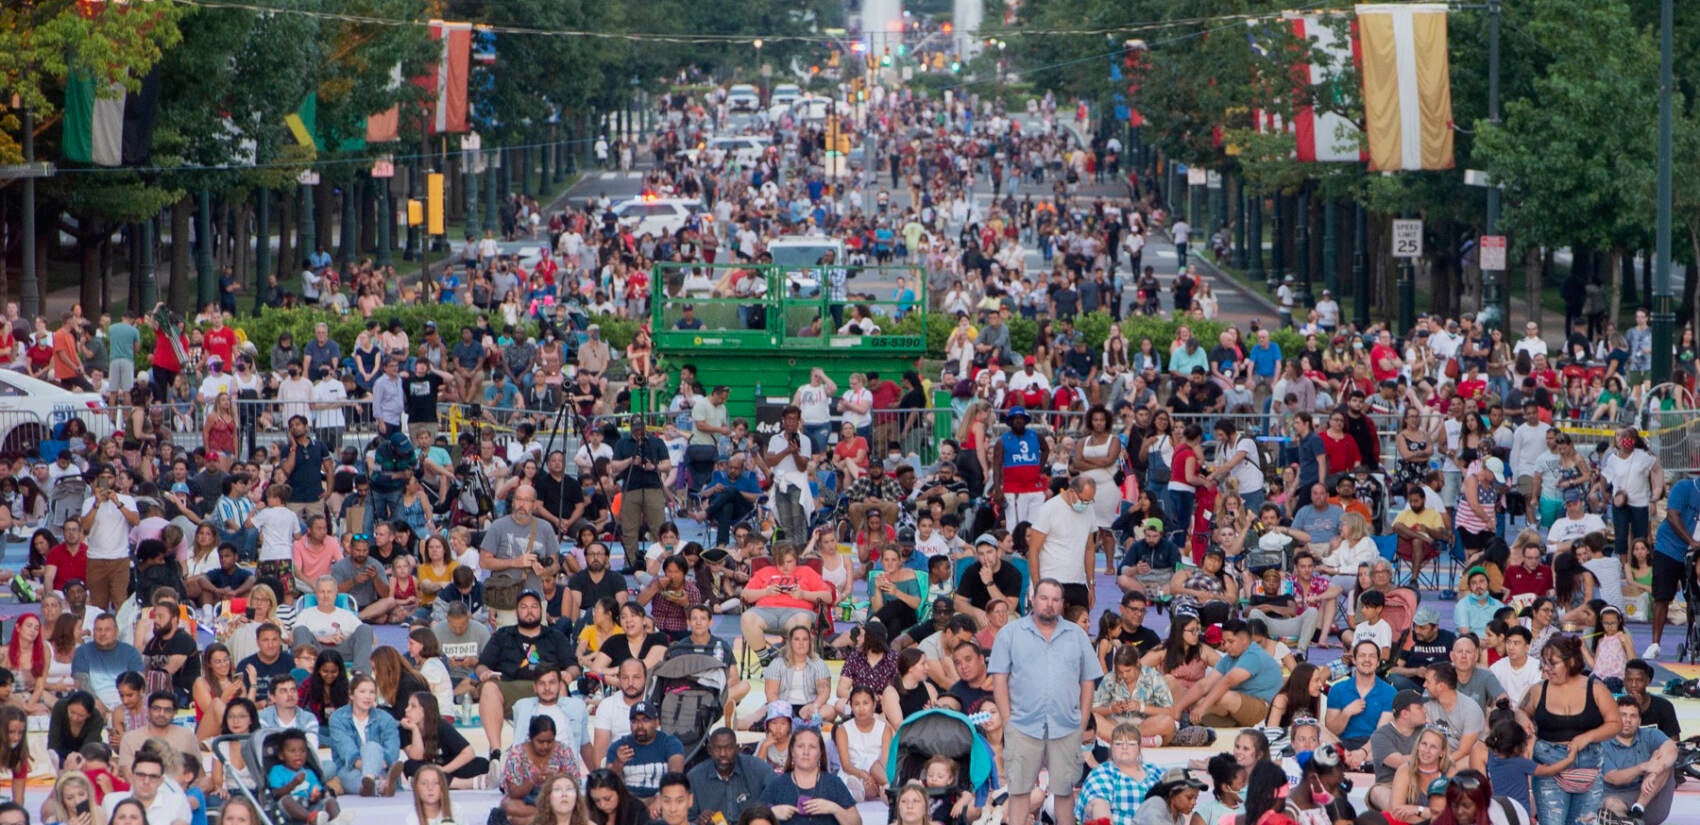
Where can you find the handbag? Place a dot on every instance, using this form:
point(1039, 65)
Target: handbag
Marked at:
point(502, 589)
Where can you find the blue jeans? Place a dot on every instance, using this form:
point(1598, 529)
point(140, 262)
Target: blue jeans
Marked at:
point(1624, 520)
point(818, 434)
point(371, 764)
point(1554, 805)
point(1180, 518)
point(246, 539)
point(385, 507)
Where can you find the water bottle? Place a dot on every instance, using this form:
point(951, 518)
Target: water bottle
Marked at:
point(846, 608)
point(466, 709)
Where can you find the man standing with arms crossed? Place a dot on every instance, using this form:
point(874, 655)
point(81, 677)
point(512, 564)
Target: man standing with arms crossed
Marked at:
point(1049, 666)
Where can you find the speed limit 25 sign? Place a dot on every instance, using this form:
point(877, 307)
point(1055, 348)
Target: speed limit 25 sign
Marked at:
point(1407, 238)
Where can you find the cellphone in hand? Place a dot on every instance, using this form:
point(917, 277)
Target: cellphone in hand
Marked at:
point(82, 807)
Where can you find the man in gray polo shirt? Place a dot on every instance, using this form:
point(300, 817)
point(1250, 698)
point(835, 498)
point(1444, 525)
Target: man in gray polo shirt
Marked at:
point(1047, 667)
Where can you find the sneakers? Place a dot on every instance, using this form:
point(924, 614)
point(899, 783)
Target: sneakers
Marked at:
point(767, 655)
point(1194, 736)
point(494, 777)
point(1651, 652)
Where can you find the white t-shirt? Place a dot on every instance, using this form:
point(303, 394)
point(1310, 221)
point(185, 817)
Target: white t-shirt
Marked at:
point(320, 623)
point(1610, 574)
point(329, 391)
point(1063, 556)
point(1381, 633)
point(1569, 529)
point(862, 396)
point(109, 539)
point(614, 716)
point(815, 403)
point(1517, 681)
point(277, 526)
point(1632, 476)
point(1022, 381)
point(169, 805)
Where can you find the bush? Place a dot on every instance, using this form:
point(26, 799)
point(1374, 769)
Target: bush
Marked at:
point(264, 330)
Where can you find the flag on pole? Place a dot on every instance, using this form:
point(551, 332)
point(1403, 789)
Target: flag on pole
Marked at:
point(304, 122)
point(1407, 86)
point(108, 126)
point(385, 126)
point(1325, 136)
point(448, 78)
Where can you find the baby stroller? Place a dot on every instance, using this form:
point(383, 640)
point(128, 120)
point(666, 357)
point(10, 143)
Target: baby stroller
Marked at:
point(259, 754)
point(946, 733)
point(66, 500)
point(1689, 649)
point(690, 690)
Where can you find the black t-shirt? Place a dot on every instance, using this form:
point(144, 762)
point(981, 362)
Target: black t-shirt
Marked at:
point(517, 656)
point(179, 643)
point(1008, 580)
point(264, 673)
point(449, 742)
point(968, 695)
point(1423, 654)
point(307, 480)
point(560, 498)
point(419, 397)
point(635, 477)
point(592, 591)
point(1143, 640)
point(619, 648)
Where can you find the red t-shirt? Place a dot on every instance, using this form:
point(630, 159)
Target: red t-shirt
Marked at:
point(220, 342)
point(1376, 354)
point(1520, 580)
point(804, 578)
point(164, 355)
point(1343, 454)
point(68, 565)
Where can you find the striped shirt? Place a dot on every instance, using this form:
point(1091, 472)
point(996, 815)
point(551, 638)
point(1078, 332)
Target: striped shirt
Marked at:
point(232, 510)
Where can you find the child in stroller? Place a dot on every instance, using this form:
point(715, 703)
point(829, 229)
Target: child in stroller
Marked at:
point(296, 786)
point(949, 803)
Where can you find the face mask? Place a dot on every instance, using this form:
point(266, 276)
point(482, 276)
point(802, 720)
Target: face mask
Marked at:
point(1321, 797)
point(1081, 506)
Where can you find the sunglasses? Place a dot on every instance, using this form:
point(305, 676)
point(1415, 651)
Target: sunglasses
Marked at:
point(360, 537)
point(1467, 782)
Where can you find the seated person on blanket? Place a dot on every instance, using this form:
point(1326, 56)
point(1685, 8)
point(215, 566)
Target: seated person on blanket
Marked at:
point(297, 787)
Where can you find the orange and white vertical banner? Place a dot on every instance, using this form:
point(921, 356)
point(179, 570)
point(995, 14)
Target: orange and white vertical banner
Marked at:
point(1407, 85)
point(448, 79)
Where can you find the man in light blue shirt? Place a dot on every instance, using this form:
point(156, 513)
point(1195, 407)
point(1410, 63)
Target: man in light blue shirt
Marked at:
point(572, 719)
point(1476, 609)
point(1250, 680)
point(1042, 671)
point(1318, 523)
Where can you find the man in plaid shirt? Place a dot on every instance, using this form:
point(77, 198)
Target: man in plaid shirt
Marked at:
point(873, 491)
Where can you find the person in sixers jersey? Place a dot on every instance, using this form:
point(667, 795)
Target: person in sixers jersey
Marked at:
point(1019, 458)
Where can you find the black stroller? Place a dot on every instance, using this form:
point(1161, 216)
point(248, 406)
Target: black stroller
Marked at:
point(259, 754)
point(1689, 649)
point(690, 691)
point(950, 734)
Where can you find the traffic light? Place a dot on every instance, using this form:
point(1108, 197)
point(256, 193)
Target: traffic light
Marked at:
point(832, 59)
point(902, 50)
point(956, 65)
point(885, 57)
point(938, 60)
point(945, 27)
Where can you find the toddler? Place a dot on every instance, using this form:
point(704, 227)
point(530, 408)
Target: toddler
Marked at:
point(299, 789)
point(948, 808)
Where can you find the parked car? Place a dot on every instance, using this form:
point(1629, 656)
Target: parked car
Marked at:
point(743, 98)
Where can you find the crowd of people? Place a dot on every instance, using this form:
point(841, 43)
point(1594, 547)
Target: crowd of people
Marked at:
point(1274, 505)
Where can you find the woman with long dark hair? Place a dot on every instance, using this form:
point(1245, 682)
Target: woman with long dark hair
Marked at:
point(326, 688)
point(1265, 791)
point(1186, 478)
point(1183, 658)
point(75, 722)
point(428, 741)
point(911, 692)
point(611, 803)
point(1304, 694)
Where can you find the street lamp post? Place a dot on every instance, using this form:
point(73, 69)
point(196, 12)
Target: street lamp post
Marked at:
point(1495, 310)
point(1664, 320)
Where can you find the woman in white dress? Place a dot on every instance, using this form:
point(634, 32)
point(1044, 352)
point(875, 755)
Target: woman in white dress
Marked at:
point(862, 743)
point(1096, 456)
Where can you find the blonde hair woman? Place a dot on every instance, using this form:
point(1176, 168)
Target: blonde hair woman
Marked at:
point(70, 790)
point(241, 633)
point(1429, 761)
